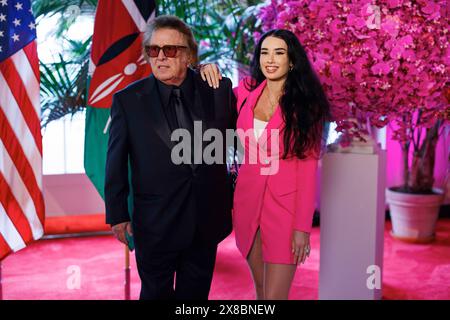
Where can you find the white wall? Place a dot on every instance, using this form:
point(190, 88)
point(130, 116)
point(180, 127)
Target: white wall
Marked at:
point(71, 194)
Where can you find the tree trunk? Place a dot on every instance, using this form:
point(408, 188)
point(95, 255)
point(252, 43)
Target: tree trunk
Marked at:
point(405, 159)
point(421, 179)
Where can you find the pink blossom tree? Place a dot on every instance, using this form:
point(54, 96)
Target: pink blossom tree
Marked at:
point(380, 62)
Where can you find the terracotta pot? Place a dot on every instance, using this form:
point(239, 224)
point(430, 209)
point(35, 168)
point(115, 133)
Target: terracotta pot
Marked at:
point(414, 216)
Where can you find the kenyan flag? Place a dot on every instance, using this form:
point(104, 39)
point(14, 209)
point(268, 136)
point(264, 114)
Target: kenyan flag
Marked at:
point(116, 61)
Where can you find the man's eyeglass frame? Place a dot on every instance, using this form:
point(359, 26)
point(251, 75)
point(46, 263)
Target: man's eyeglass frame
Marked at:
point(170, 51)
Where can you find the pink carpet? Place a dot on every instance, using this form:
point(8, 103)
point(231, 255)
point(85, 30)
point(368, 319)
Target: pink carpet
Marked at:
point(43, 270)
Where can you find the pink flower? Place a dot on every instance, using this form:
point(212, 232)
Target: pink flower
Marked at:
point(430, 8)
point(425, 86)
point(405, 41)
point(394, 3)
point(397, 51)
point(204, 44)
point(409, 55)
point(380, 68)
point(334, 27)
point(390, 26)
point(335, 71)
point(257, 35)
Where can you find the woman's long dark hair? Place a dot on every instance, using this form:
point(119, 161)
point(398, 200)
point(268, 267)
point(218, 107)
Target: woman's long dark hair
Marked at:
point(303, 103)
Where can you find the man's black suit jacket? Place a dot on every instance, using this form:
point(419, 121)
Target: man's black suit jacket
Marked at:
point(171, 202)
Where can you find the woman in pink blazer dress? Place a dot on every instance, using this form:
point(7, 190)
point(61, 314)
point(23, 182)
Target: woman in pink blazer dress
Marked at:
point(282, 110)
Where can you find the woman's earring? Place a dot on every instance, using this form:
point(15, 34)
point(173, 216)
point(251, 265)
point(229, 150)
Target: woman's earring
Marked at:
point(291, 67)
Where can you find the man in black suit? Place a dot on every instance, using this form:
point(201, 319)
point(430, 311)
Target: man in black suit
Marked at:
point(181, 211)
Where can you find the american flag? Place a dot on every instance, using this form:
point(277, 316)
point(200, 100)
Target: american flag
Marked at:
point(21, 198)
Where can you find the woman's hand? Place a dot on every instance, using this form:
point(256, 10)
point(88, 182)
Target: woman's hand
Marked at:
point(300, 246)
point(210, 72)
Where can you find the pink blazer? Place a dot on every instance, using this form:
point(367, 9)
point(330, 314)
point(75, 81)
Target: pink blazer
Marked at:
point(293, 181)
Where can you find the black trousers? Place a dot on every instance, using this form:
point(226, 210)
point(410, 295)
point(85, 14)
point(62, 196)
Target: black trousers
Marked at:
point(177, 275)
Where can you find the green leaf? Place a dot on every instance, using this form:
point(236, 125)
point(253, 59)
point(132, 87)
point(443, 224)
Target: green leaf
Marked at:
point(226, 25)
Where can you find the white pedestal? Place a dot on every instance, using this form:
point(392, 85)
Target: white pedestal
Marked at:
point(352, 212)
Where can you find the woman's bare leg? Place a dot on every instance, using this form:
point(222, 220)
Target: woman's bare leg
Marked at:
point(256, 264)
point(277, 280)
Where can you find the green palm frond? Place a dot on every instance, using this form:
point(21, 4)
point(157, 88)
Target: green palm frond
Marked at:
point(226, 28)
point(64, 83)
point(67, 11)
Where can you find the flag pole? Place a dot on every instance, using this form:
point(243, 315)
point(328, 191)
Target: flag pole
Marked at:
point(127, 273)
point(1, 286)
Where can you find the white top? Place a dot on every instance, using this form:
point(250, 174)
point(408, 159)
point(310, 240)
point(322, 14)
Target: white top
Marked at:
point(258, 127)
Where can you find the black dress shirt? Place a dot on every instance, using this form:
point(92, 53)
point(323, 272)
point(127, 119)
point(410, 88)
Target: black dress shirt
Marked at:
point(187, 96)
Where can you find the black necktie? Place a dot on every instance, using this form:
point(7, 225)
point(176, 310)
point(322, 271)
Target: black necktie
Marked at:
point(183, 116)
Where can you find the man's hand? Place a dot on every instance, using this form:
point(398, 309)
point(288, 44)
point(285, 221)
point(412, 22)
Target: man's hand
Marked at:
point(210, 72)
point(120, 229)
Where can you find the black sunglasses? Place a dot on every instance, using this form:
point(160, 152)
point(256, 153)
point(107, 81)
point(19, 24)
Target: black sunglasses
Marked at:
point(169, 50)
